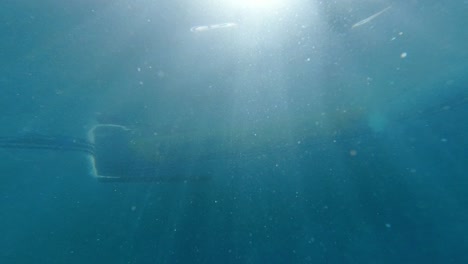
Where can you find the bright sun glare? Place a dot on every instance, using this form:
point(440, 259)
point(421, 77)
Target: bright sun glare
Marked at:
point(256, 4)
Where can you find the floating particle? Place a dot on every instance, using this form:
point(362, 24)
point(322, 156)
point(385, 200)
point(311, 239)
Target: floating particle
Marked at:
point(161, 74)
point(403, 55)
point(212, 27)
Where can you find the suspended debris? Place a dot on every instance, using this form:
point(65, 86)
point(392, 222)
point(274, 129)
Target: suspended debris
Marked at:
point(367, 20)
point(198, 29)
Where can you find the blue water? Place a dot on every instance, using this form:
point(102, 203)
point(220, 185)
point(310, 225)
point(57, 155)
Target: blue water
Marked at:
point(316, 141)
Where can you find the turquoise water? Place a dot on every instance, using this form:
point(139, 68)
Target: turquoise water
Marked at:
point(227, 132)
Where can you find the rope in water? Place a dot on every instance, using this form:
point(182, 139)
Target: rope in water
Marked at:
point(37, 141)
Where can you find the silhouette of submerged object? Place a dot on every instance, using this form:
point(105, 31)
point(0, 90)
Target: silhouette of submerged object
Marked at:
point(118, 154)
point(119, 158)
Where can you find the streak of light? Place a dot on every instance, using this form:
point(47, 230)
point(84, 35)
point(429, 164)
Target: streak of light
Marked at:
point(367, 20)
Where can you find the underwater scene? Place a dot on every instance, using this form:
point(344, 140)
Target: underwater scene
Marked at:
point(234, 131)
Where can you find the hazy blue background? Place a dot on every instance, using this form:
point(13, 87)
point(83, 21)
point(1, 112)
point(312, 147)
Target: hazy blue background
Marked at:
point(324, 143)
